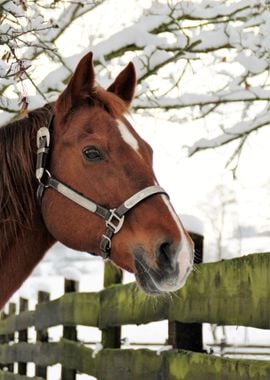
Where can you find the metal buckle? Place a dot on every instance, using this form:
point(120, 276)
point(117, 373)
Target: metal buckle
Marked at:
point(110, 222)
point(106, 245)
point(43, 133)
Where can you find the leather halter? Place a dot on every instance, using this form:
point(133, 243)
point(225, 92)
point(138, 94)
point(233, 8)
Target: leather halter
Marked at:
point(114, 218)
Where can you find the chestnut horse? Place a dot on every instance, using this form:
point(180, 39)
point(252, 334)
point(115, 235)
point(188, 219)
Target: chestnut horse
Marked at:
point(93, 173)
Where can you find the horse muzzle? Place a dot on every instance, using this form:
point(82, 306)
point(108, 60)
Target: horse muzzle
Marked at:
point(171, 269)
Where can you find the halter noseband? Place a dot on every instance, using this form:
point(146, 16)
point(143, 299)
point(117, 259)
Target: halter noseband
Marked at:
point(114, 218)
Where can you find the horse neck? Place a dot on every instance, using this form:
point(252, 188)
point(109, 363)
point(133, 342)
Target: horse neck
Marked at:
point(17, 263)
point(22, 246)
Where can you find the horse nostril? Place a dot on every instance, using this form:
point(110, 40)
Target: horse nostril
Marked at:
point(166, 256)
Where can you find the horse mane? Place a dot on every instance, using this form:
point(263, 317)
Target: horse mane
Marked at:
point(17, 165)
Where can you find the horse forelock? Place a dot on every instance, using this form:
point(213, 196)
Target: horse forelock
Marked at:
point(112, 103)
point(98, 97)
point(17, 165)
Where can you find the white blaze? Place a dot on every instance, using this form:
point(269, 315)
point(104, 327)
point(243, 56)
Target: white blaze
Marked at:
point(127, 136)
point(185, 255)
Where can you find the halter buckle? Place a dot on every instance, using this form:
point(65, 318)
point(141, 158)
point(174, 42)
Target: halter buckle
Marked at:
point(43, 144)
point(114, 221)
point(43, 134)
point(105, 246)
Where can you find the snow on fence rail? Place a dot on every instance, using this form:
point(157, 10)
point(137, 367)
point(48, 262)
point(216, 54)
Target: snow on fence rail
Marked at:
point(231, 292)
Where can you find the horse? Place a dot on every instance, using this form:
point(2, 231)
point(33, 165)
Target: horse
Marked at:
point(76, 171)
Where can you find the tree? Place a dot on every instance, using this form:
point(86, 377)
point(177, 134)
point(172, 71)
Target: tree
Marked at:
point(221, 213)
point(219, 49)
point(27, 30)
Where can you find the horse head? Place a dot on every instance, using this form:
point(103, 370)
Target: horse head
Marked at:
point(96, 152)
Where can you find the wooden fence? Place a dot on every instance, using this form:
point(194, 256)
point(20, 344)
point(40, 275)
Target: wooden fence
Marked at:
point(231, 292)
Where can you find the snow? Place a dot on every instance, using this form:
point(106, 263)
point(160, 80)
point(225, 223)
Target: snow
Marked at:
point(164, 348)
point(239, 129)
point(13, 8)
point(192, 99)
point(193, 224)
point(97, 349)
point(210, 40)
point(252, 63)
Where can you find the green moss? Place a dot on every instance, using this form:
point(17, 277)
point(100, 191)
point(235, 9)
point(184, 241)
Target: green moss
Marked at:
point(194, 366)
point(229, 292)
point(136, 364)
point(178, 369)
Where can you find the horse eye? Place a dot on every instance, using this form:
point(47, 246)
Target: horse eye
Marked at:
point(93, 154)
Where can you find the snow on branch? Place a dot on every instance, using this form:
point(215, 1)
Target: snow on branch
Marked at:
point(193, 99)
point(20, 27)
point(199, 56)
point(25, 33)
point(239, 130)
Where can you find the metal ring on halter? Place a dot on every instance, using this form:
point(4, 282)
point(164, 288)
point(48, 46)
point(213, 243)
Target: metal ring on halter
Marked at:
point(42, 186)
point(47, 175)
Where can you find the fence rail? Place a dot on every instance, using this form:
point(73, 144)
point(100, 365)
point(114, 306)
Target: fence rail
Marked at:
point(143, 363)
point(232, 292)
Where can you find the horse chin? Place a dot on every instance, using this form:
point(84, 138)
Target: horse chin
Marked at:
point(147, 285)
point(157, 281)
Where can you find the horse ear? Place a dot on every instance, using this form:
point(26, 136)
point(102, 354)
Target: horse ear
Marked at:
point(125, 83)
point(80, 85)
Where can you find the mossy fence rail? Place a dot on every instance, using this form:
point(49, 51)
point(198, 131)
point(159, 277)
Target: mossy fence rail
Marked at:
point(231, 292)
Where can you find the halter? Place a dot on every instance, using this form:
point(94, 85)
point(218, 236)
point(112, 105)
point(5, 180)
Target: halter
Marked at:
point(114, 218)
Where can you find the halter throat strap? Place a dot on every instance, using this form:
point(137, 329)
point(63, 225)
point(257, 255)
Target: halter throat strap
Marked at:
point(114, 218)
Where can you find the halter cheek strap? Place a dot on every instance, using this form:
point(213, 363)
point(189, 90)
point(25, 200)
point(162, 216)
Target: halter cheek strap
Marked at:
point(114, 218)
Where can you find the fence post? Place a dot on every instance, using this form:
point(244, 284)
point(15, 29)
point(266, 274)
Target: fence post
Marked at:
point(3, 338)
point(70, 332)
point(188, 336)
point(23, 336)
point(42, 335)
point(111, 337)
point(11, 337)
